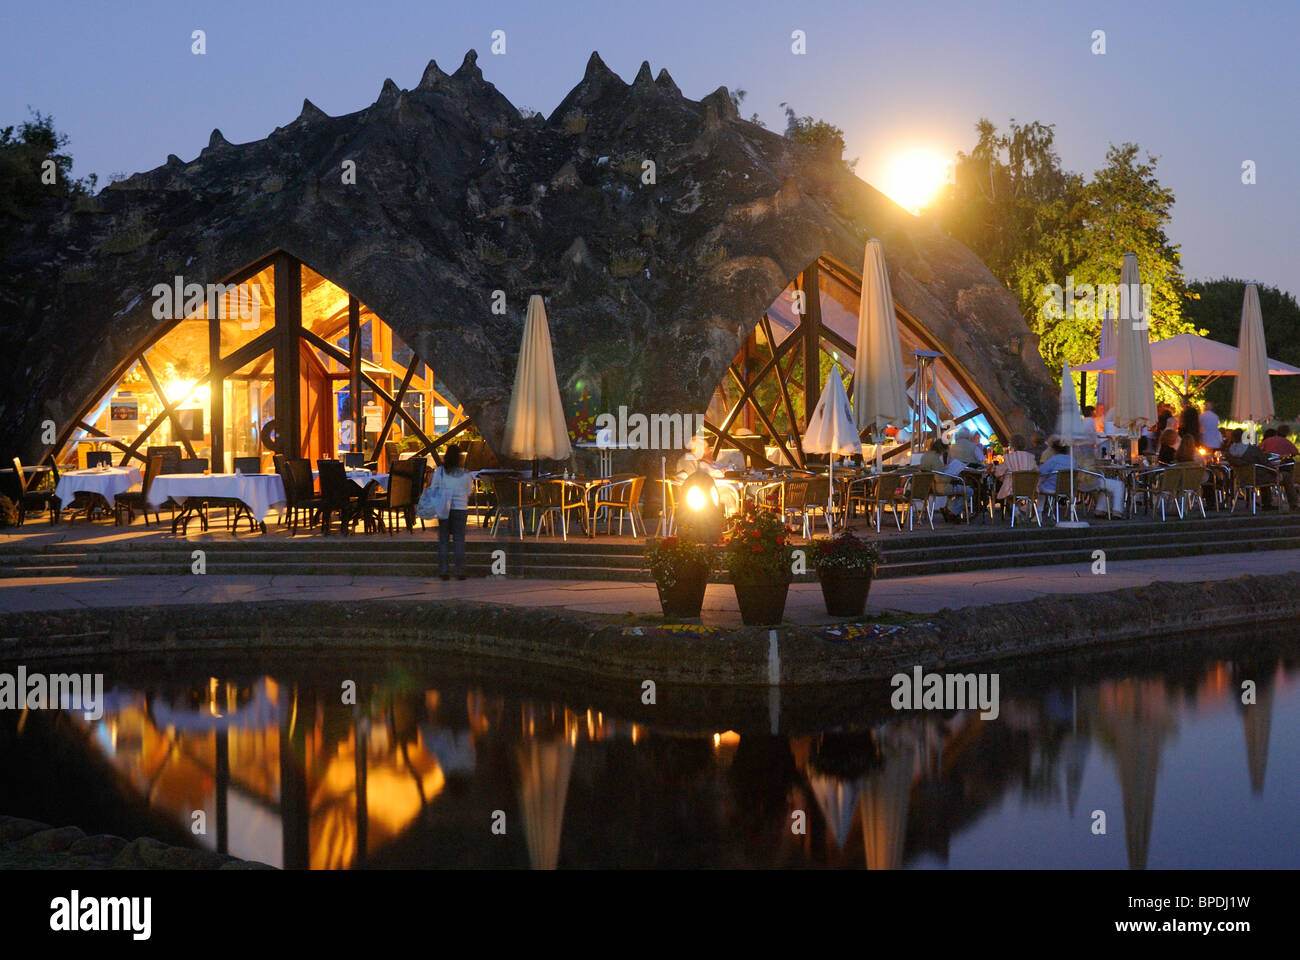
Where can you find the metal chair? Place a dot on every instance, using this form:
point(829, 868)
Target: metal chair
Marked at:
point(1250, 478)
point(38, 499)
point(511, 501)
point(1024, 487)
point(99, 458)
point(624, 498)
point(561, 498)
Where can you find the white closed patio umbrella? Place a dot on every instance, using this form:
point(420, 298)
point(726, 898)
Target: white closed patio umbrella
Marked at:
point(1252, 397)
point(1106, 381)
point(1135, 392)
point(832, 430)
point(536, 427)
point(879, 386)
point(1072, 428)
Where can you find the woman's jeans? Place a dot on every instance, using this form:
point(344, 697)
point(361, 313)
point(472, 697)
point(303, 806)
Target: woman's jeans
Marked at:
point(453, 526)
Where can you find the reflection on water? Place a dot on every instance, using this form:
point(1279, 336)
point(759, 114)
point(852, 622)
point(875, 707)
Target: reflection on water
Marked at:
point(295, 774)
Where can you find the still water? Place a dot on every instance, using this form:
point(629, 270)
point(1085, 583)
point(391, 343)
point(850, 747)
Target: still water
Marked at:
point(436, 765)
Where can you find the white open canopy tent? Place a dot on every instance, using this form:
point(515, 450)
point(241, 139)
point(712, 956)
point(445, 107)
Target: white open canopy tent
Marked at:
point(1188, 355)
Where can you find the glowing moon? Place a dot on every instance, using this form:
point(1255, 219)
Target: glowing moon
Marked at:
point(914, 177)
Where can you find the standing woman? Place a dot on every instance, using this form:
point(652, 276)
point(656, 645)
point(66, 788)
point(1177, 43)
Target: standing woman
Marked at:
point(457, 481)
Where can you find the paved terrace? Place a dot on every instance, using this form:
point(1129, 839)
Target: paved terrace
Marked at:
point(922, 594)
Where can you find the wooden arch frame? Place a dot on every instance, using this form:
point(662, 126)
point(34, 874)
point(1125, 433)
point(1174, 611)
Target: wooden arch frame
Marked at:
point(751, 368)
point(281, 343)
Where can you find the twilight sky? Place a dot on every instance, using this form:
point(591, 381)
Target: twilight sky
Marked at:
point(1202, 85)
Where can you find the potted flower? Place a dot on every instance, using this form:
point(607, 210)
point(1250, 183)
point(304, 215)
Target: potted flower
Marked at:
point(754, 550)
point(681, 568)
point(845, 566)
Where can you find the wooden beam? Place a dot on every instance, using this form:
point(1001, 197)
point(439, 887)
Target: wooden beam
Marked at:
point(785, 348)
point(776, 437)
point(392, 411)
point(168, 408)
point(811, 327)
point(785, 394)
point(288, 326)
point(353, 363)
point(431, 446)
point(157, 421)
point(748, 447)
point(216, 397)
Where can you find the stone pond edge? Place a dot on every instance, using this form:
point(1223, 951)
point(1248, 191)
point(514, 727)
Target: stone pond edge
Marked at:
point(599, 647)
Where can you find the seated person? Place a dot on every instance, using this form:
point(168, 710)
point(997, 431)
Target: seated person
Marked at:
point(937, 460)
point(1059, 460)
point(963, 448)
point(1017, 458)
point(1187, 452)
point(1240, 452)
point(1111, 488)
point(1276, 444)
point(1168, 447)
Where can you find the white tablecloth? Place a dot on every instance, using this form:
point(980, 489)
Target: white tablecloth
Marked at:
point(108, 483)
point(260, 491)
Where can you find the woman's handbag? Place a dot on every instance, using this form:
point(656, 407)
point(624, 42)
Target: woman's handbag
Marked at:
point(435, 501)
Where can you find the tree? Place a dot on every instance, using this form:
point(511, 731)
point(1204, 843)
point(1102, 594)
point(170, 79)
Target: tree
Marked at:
point(1215, 305)
point(1035, 225)
point(816, 133)
point(23, 152)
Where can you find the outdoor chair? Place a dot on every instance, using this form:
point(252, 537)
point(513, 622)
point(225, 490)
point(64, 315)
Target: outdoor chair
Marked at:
point(364, 510)
point(354, 460)
point(917, 488)
point(99, 458)
point(1168, 486)
point(1248, 479)
point(246, 464)
point(299, 492)
point(814, 500)
point(29, 499)
point(512, 501)
point(168, 454)
point(796, 498)
point(561, 499)
point(405, 483)
point(337, 493)
point(622, 496)
point(1193, 479)
point(132, 500)
point(1024, 489)
point(1084, 495)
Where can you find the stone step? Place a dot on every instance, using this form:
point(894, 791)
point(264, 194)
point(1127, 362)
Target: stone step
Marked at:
point(561, 567)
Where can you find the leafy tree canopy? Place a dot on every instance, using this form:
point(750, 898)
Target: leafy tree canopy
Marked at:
point(24, 148)
point(1036, 224)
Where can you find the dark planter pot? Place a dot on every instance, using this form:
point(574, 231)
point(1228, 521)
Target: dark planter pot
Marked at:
point(845, 594)
point(761, 604)
point(684, 598)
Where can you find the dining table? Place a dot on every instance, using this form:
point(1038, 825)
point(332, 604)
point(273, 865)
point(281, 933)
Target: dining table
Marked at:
point(103, 482)
point(257, 491)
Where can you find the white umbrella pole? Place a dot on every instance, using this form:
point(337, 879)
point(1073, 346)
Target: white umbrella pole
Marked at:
point(830, 497)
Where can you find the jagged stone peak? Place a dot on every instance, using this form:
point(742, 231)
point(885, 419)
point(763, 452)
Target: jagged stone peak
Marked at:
point(389, 93)
point(432, 76)
point(311, 112)
point(665, 82)
point(596, 70)
point(468, 69)
point(722, 104)
point(217, 141)
point(644, 77)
